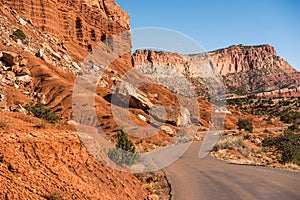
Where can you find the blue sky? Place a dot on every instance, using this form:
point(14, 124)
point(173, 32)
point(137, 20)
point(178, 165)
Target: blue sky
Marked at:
point(218, 23)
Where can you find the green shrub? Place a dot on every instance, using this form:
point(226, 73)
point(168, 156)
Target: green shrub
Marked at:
point(245, 124)
point(270, 101)
point(288, 145)
point(268, 120)
point(124, 153)
point(41, 112)
point(19, 34)
point(294, 127)
point(289, 116)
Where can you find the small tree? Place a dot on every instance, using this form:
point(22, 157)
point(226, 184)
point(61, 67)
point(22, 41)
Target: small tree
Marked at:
point(245, 124)
point(124, 152)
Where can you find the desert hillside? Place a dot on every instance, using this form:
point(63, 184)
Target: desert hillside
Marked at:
point(47, 47)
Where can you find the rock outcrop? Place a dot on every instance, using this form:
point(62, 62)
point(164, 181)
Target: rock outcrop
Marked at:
point(245, 69)
point(85, 22)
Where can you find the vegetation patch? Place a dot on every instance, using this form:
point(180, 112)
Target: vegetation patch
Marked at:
point(19, 34)
point(125, 152)
point(245, 124)
point(40, 111)
point(287, 145)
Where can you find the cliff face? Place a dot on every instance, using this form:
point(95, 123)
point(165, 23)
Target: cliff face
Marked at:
point(85, 22)
point(51, 162)
point(245, 69)
point(240, 58)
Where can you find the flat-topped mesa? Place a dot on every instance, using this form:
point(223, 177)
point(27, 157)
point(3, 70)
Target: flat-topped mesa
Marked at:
point(245, 69)
point(235, 59)
point(142, 57)
point(86, 22)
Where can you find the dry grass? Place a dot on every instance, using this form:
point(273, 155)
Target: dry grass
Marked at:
point(291, 166)
point(233, 143)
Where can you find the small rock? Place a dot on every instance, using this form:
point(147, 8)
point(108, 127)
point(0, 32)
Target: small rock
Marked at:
point(74, 64)
point(40, 53)
point(67, 58)
point(2, 97)
point(10, 76)
point(257, 142)
point(46, 59)
point(16, 69)
point(168, 130)
point(42, 98)
point(142, 117)
point(34, 134)
point(16, 86)
point(24, 62)
point(30, 22)
point(22, 109)
point(95, 67)
point(153, 197)
point(71, 122)
point(64, 47)
point(19, 42)
point(10, 58)
point(25, 78)
point(22, 21)
point(56, 55)
point(24, 72)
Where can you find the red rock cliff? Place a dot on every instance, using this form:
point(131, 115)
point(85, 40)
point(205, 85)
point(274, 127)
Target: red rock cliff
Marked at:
point(245, 69)
point(84, 21)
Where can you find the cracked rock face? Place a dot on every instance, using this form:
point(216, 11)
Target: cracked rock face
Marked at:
point(244, 69)
point(85, 22)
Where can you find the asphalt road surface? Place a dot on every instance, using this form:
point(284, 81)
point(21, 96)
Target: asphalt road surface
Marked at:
point(193, 178)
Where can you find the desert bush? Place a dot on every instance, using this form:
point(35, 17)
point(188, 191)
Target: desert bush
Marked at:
point(41, 112)
point(229, 143)
point(237, 101)
point(245, 124)
point(289, 116)
point(124, 153)
point(287, 145)
point(270, 101)
point(233, 143)
point(19, 34)
point(294, 127)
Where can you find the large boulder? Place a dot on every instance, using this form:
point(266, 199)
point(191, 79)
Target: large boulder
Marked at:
point(131, 97)
point(10, 58)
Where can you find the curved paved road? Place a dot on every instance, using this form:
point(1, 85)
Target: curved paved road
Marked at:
point(193, 178)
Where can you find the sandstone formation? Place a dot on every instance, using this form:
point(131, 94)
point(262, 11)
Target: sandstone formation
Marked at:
point(85, 22)
point(52, 163)
point(39, 161)
point(43, 67)
point(244, 69)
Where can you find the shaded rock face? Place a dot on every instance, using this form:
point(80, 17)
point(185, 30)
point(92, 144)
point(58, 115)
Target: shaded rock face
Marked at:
point(83, 21)
point(244, 69)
